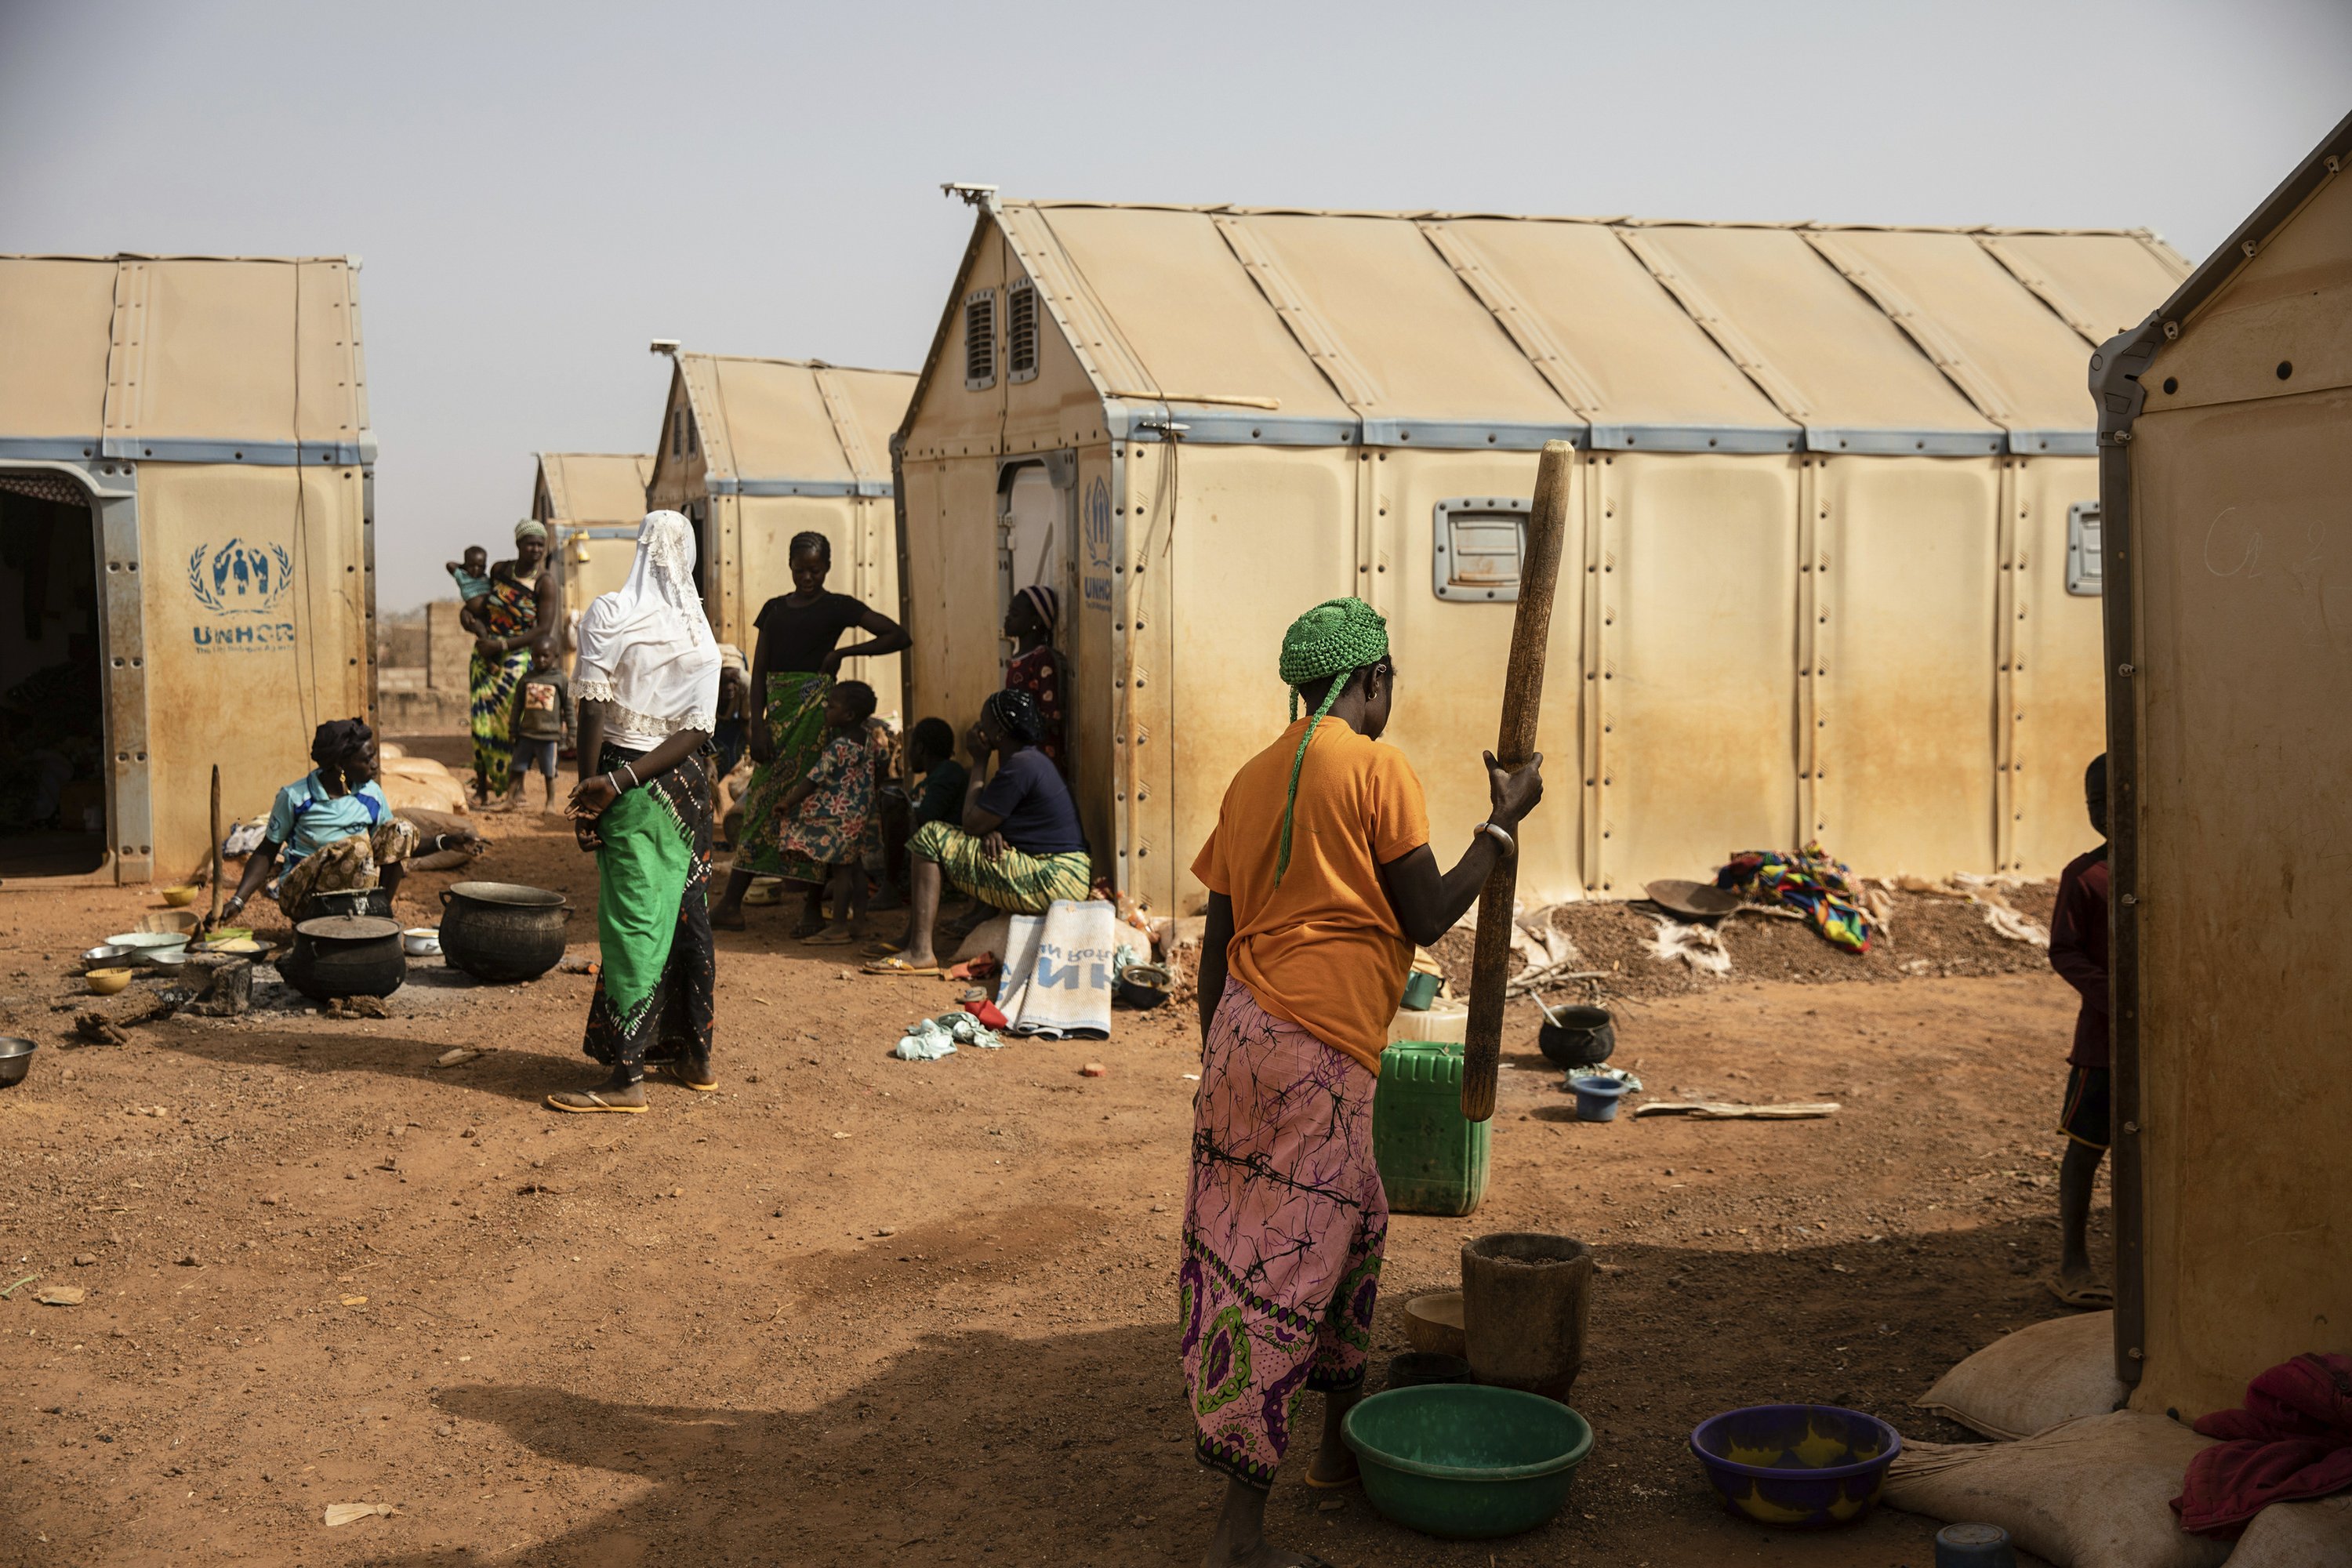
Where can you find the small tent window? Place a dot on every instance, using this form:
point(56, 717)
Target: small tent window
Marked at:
point(1021, 331)
point(1476, 545)
point(2083, 570)
point(980, 339)
point(692, 448)
point(677, 432)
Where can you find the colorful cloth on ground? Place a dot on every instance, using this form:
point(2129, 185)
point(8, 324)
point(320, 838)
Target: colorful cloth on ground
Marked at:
point(509, 610)
point(829, 828)
point(1038, 673)
point(795, 719)
point(1808, 881)
point(1284, 1223)
point(1026, 884)
point(654, 990)
point(356, 860)
point(2292, 1440)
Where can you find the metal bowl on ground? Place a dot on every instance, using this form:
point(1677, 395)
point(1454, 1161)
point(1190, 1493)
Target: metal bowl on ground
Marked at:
point(16, 1059)
point(345, 955)
point(1143, 986)
point(1692, 901)
point(1577, 1036)
point(1465, 1461)
point(107, 982)
point(107, 956)
point(1806, 1466)
point(147, 942)
point(1433, 1323)
point(502, 931)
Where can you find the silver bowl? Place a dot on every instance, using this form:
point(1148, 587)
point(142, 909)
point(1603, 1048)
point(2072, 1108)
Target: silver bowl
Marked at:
point(108, 955)
point(16, 1059)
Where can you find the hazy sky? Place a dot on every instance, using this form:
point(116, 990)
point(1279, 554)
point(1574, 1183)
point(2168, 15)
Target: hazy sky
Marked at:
point(539, 189)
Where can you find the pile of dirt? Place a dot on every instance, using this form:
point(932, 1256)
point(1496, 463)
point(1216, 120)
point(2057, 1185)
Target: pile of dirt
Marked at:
point(1927, 936)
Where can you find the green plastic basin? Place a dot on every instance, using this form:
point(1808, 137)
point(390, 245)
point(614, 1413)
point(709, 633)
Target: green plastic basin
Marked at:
point(1465, 1461)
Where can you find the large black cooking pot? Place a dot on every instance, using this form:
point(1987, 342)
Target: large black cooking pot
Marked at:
point(502, 931)
point(345, 955)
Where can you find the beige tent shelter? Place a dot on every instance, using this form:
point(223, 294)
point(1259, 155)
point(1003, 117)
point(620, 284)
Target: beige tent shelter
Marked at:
point(593, 503)
point(2225, 469)
point(1818, 582)
point(187, 546)
point(757, 450)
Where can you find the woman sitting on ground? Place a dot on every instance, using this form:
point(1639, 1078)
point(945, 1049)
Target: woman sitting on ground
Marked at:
point(647, 686)
point(332, 831)
point(1020, 846)
point(793, 667)
point(823, 818)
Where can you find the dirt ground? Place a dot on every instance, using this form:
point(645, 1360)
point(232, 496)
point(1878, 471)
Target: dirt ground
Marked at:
point(852, 1310)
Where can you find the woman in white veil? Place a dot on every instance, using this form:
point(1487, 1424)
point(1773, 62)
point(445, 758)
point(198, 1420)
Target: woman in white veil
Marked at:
point(647, 685)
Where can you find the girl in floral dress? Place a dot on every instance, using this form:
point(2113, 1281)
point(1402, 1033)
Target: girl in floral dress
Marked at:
point(822, 819)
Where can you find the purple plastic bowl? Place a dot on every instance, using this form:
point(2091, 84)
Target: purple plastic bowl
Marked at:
point(1802, 1466)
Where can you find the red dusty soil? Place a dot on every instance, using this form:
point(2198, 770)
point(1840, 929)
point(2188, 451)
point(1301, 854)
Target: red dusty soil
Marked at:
point(855, 1310)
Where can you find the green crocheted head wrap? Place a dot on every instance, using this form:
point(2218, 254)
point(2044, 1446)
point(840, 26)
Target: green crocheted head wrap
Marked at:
point(1335, 638)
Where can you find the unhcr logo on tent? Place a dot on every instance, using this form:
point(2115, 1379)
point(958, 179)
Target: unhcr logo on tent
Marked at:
point(245, 581)
point(1096, 530)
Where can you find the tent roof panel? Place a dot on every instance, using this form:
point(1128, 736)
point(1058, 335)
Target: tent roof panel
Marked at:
point(1643, 358)
point(1187, 311)
point(2106, 283)
point(1401, 325)
point(774, 421)
point(876, 401)
point(588, 489)
point(55, 316)
point(1846, 364)
point(235, 353)
point(2018, 361)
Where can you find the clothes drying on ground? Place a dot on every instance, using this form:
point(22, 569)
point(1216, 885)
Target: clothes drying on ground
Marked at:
point(2292, 1440)
point(1808, 881)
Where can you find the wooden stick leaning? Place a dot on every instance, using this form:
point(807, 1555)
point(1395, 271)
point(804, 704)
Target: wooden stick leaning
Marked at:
point(213, 919)
point(1522, 702)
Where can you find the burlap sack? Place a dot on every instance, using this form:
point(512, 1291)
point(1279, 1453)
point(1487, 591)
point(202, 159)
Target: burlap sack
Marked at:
point(2298, 1535)
point(2033, 1380)
point(2093, 1493)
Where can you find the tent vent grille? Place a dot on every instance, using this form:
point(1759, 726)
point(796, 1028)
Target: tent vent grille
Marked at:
point(1021, 331)
point(980, 339)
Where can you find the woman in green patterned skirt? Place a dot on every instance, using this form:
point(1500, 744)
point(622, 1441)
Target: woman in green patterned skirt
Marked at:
point(509, 622)
point(648, 684)
point(793, 667)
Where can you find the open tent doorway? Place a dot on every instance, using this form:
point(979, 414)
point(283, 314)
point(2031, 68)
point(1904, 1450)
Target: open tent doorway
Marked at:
point(53, 770)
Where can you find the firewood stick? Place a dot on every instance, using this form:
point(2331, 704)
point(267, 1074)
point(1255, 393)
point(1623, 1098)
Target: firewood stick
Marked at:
point(1522, 702)
point(213, 918)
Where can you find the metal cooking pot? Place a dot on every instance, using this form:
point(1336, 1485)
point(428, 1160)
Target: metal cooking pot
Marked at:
point(502, 931)
point(345, 955)
point(1577, 1036)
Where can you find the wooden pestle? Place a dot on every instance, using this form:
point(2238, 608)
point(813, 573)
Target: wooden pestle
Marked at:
point(1522, 702)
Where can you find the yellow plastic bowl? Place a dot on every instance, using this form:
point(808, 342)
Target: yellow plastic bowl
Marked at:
point(107, 982)
point(180, 898)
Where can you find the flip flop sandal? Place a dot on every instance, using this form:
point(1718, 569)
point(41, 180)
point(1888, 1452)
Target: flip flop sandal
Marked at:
point(826, 939)
point(884, 949)
point(1354, 1477)
point(596, 1103)
point(897, 965)
point(680, 1072)
point(2085, 1298)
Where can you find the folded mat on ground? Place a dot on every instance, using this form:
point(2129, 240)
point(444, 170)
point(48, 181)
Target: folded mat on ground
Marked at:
point(2043, 1375)
point(1057, 970)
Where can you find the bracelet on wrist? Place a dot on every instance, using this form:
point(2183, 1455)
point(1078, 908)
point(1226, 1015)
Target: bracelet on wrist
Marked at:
point(1492, 829)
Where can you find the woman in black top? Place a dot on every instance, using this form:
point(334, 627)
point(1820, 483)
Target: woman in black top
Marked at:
point(793, 667)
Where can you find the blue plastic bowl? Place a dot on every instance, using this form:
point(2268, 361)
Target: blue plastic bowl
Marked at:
point(1596, 1098)
point(1805, 1467)
point(1465, 1461)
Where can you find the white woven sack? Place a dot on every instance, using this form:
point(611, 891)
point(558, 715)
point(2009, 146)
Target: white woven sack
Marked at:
point(2316, 1534)
point(2043, 1374)
point(2095, 1493)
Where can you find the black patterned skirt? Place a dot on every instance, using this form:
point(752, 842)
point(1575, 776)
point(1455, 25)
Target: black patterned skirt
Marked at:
point(659, 971)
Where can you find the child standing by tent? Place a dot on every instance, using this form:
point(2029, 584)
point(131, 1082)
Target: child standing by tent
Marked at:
point(2078, 951)
point(541, 718)
point(823, 819)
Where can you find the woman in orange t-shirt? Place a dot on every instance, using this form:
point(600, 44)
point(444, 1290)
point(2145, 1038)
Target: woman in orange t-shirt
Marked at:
point(1320, 881)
